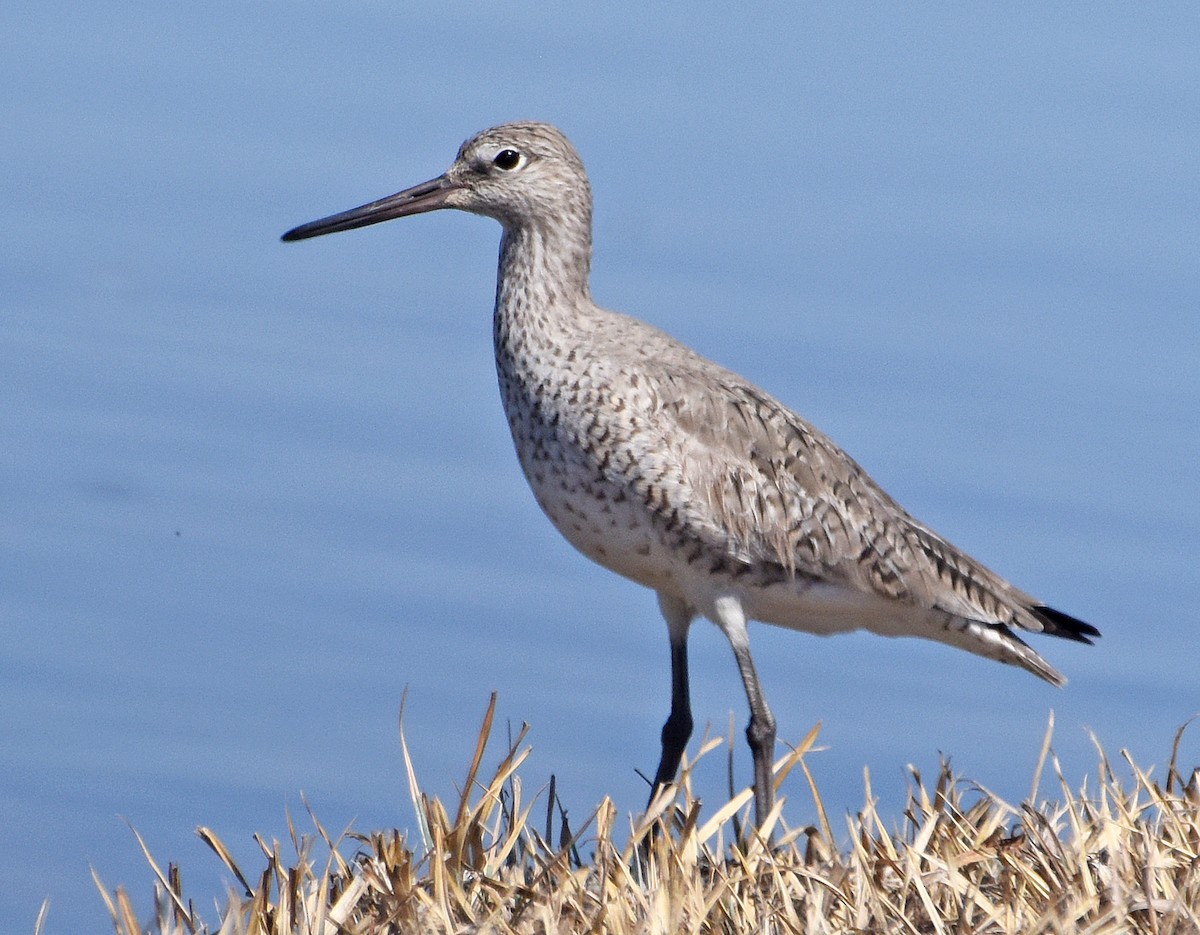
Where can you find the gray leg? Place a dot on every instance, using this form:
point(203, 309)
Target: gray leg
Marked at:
point(760, 733)
point(678, 728)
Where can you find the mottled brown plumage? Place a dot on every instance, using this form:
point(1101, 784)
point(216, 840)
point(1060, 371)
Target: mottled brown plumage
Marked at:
point(681, 475)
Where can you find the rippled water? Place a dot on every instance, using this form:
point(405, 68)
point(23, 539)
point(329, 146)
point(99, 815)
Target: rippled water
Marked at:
point(250, 492)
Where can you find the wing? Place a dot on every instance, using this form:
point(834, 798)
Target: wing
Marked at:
point(757, 483)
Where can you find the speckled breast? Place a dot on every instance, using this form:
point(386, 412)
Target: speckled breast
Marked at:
point(577, 458)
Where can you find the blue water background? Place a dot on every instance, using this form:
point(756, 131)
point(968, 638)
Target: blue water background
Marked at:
point(250, 492)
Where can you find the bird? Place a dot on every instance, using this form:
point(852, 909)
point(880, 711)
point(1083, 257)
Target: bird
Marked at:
point(679, 474)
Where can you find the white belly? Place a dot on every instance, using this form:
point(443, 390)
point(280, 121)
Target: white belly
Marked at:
point(609, 528)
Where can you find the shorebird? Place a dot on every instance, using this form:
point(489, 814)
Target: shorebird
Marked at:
point(681, 475)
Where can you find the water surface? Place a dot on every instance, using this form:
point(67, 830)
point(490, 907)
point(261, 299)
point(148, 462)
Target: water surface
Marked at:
point(251, 492)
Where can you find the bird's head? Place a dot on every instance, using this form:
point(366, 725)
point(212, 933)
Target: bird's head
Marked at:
point(521, 174)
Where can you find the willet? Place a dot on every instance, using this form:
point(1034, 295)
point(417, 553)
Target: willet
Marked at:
point(684, 477)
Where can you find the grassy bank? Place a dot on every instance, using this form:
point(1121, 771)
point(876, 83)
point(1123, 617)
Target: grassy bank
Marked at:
point(1120, 855)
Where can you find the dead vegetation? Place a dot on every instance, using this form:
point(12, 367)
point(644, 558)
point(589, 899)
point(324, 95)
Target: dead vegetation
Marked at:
point(1119, 857)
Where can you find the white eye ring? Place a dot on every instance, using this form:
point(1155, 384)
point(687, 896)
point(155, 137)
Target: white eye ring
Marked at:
point(508, 160)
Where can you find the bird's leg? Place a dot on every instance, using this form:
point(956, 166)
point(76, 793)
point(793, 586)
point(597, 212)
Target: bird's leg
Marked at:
point(678, 728)
point(761, 731)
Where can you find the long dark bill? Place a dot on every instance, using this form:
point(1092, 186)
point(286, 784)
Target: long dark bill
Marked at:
point(428, 196)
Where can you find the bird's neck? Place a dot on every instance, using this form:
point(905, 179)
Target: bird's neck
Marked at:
point(543, 304)
point(544, 269)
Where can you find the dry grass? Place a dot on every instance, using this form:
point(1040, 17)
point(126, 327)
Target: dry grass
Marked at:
point(1120, 858)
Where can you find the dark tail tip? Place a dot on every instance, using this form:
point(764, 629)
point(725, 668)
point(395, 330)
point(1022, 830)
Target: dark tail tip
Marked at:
point(1064, 625)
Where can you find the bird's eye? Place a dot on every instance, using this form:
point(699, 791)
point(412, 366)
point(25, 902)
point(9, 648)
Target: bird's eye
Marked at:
point(508, 159)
